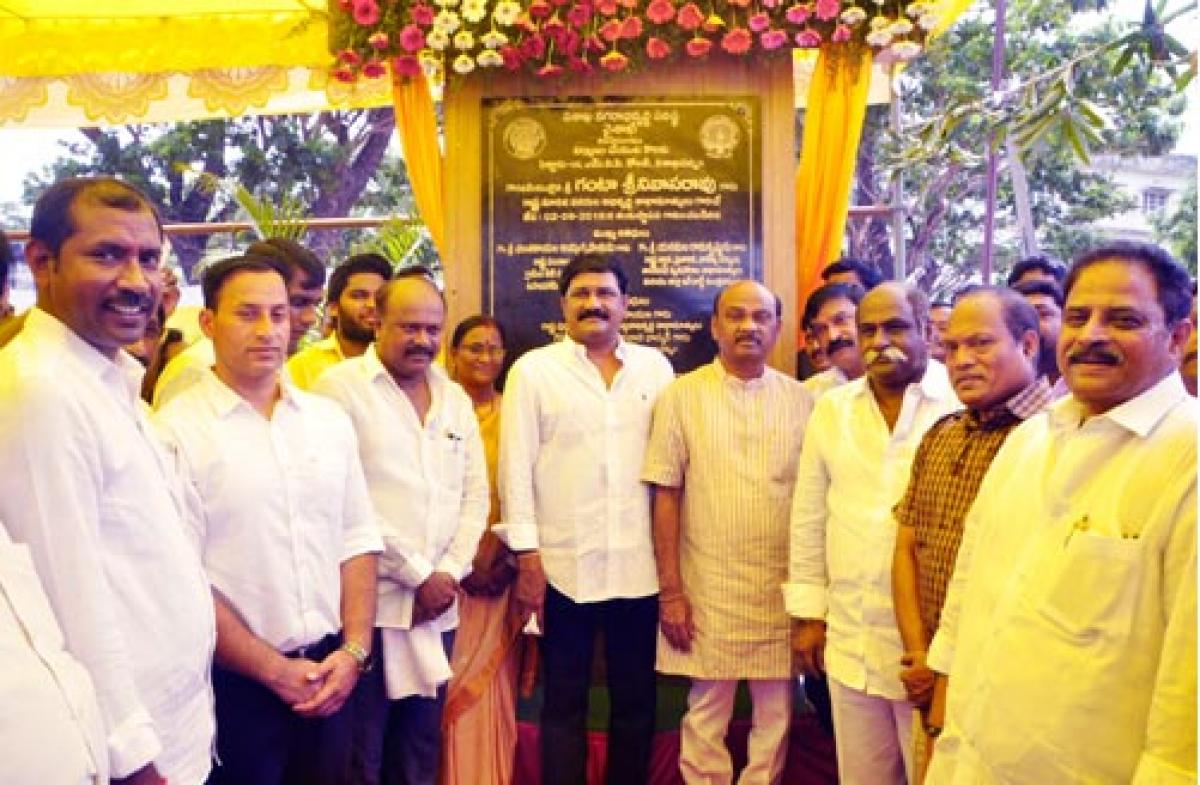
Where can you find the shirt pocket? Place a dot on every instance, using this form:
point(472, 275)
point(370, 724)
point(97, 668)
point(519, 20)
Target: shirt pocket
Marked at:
point(319, 487)
point(1095, 589)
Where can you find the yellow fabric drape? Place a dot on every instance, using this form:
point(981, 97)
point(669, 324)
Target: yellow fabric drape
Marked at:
point(417, 124)
point(837, 104)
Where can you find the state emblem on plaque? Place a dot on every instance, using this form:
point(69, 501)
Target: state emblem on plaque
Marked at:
point(524, 138)
point(720, 136)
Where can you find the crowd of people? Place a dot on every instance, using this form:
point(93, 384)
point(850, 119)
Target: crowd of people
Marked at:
point(971, 530)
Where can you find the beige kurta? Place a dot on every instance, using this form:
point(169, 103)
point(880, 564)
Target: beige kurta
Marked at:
point(733, 446)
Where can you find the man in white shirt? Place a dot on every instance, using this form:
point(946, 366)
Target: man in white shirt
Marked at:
point(353, 285)
point(722, 457)
point(88, 488)
point(1069, 633)
point(420, 447)
point(829, 318)
point(305, 283)
point(853, 469)
point(287, 535)
point(576, 420)
point(51, 732)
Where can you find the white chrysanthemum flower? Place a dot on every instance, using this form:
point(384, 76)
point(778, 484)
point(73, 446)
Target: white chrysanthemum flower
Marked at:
point(879, 38)
point(916, 9)
point(446, 3)
point(506, 12)
point(929, 21)
point(493, 39)
point(906, 50)
point(489, 58)
point(464, 39)
point(446, 22)
point(437, 40)
point(880, 22)
point(853, 15)
point(464, 64)
point(473, 11)
point(900, 27)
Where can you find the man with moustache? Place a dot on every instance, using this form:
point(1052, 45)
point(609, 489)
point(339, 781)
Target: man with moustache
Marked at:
point(722, 458)
point(305, 276)
point(1069, 632)
point(576, 420)
point(829, 317)
point(420, 446)
point(351, 300)
point(853, 469)
point(1047, 300)
point(90, 492)
point(287, 536)
point(991, 350)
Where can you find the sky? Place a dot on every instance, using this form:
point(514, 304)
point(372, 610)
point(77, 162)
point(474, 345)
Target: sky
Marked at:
point(26, 150)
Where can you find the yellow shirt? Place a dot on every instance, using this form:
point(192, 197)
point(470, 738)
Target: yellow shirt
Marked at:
point(307, 365)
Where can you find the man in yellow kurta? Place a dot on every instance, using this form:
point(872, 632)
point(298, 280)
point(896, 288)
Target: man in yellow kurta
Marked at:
point(722, 456)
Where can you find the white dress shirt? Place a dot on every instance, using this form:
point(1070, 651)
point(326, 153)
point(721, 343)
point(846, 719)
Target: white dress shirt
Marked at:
point(51, 732)
point(428, 480)
point(284, 504)
point(182, 371)
point(85, 483)
point(571, 453)
point(1070, 628)
point(821, 383)
point(852, 472)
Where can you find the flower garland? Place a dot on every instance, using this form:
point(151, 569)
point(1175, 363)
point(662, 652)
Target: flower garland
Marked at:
point(551, 38)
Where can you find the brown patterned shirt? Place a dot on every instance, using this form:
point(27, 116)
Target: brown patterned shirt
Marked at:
point(946, 473)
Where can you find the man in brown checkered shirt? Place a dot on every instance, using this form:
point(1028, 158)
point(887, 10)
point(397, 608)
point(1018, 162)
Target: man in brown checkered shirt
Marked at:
point(991, 353)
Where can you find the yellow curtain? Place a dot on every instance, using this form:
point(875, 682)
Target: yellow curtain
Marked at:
point(837, 104)
point(417, 123)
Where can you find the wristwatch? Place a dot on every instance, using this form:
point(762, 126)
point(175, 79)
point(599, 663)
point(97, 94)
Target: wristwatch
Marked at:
point(360, 655)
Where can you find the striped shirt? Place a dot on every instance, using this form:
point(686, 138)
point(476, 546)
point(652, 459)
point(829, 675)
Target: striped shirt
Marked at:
point(732, 445)
point(947, 471)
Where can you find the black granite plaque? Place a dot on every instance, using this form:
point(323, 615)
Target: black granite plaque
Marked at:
point(668, 186)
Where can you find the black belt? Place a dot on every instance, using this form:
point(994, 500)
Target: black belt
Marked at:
point(317, 651)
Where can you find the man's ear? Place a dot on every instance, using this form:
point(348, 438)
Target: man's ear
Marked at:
point(40, 260)
point(206, 318)
point(1030, 343)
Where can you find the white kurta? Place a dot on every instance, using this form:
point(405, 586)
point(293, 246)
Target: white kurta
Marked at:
point(1070, 628)
point(732, 446)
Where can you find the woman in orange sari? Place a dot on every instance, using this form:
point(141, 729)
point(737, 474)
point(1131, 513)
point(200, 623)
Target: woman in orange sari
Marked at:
point(479, 721)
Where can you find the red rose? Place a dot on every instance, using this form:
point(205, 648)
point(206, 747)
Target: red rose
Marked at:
point(406, 65)
point(631, 27)
point(594, 44)
point(512, 57)
point(580, 14)
point(343, 74)
point(550, 69)
point(737, 41)
point(539, 9)
point(698, 46)
point(614, 61)
point(412, 38)
point(660, 11)
point(366, 12)
point(349, 57)
point(374, 70)
point(689, 17)
point(611, 30)
point(657, 49)
point(607, 7)
point(533, 47)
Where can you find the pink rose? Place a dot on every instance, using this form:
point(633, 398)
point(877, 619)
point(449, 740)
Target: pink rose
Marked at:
point(828, 9)
point(512, 57)
point(412, 38)
point(772, 39)
point(698, 46)
point(660, 11)
point(421, 14)
point(406, 65)
point(841, 33)
point(657, 49)
point(799, 13)
point(593, 44)
point(607, 7)
point(614, 61)
point(689, 17)
point(759, 21)
point(808, 39)
point(580, 14)
point(631, 27)
point(737, 41)
point(570, 42)
point(344, 74)
point(374, 69)
point(611, 30)
point(349, 57)
point(378, 40)
point(539, 9)
point(554, 27)
point(366, 12)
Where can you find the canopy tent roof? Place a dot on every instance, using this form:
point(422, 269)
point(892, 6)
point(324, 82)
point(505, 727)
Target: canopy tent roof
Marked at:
point(84, 62)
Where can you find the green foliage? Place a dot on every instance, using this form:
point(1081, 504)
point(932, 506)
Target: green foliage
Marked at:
point(1177, 229)
point(403, 243)
point(1070, 93)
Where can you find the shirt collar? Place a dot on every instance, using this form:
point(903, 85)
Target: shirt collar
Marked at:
point(1020, 406)
point(373, 368)
point(1139, 415)
point(934, 384)
point(121, 373)
point(746, 384)
point(579, 351)
point(227, 400)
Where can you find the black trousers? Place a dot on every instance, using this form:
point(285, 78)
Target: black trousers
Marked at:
point(630, 630)
point(261, 741)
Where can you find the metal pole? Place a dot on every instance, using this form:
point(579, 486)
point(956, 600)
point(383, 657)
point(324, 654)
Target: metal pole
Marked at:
point(989, 221)
point(899, 247)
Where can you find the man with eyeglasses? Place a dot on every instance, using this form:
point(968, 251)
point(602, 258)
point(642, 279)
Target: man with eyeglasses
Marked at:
point(576, 423)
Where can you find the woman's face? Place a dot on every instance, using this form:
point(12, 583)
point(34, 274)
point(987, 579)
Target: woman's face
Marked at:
point(479, 357)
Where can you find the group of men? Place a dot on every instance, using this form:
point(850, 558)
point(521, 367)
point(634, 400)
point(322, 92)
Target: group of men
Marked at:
point(964, 560)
